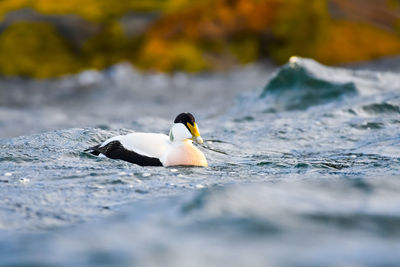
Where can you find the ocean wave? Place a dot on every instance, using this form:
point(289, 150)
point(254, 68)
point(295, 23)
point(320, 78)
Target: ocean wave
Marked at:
point(303, 83)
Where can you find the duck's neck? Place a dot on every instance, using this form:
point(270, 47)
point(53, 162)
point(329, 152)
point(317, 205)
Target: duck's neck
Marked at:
point(179, 133)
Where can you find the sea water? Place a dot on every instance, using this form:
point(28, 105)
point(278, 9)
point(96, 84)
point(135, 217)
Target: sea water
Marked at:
point(304, 169)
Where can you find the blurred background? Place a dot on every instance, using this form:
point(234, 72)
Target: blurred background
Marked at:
point(43, 39)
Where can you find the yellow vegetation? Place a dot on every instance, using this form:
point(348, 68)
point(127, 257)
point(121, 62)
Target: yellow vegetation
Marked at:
point(94, 10)
point(35, 49)
point(108, 47)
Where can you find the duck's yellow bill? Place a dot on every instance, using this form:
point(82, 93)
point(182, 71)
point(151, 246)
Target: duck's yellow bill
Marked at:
point(195, 133)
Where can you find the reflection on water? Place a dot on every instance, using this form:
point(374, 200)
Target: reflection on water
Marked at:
point(306, 166)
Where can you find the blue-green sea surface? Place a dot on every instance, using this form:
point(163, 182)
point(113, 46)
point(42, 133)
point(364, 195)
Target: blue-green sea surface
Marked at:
point(304, 170)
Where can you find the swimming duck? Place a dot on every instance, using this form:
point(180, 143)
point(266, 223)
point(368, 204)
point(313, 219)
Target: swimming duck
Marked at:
point(154, 149)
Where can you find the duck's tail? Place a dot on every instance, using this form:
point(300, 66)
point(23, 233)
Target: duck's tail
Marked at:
point(93, 150)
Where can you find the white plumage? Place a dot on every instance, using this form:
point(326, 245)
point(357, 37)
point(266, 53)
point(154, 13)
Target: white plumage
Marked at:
point(147, 144)
point(153, 149)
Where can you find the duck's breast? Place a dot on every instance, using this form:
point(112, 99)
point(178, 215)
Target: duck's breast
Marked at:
point(185, 154)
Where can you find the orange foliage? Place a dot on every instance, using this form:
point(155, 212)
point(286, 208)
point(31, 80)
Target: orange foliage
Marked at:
point(217, 19)
point(224, 29)
point(346, 41)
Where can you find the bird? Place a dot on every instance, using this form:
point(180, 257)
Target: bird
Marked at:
point(156, 149)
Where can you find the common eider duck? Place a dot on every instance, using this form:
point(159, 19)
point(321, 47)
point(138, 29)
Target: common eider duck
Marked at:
point(154, 149)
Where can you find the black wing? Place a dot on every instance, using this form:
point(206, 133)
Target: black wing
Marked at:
point(115, 150)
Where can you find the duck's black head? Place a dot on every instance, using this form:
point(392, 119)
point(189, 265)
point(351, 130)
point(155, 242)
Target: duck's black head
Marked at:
point(185, 118)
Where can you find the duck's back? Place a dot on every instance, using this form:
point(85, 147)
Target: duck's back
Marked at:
point(146, 144)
